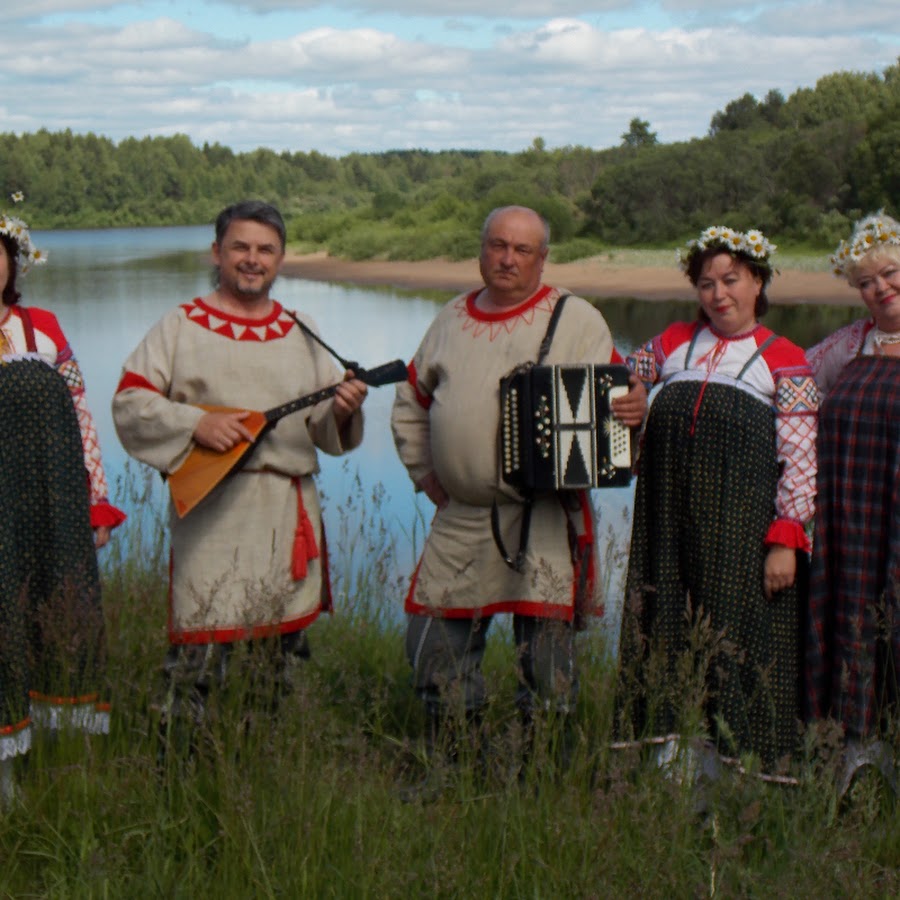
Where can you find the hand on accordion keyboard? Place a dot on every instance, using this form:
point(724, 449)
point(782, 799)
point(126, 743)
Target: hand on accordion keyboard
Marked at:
point(631, 409)
point(431, 486)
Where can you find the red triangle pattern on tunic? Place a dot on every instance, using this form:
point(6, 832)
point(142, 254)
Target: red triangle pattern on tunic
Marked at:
point(495, 324)
point(276, 326)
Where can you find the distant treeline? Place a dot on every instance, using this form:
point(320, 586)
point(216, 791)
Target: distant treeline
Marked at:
point(799, 168)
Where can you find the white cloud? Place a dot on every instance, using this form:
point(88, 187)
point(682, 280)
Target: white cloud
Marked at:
point(343, 89)
point(524, 9)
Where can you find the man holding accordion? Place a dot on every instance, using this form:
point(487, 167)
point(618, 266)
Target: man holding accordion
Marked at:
point(499, 544)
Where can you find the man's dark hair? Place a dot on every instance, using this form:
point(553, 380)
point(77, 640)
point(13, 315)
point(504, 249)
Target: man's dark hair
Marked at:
point(254, 211)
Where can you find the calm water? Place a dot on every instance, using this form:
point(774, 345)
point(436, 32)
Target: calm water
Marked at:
point(108, 287)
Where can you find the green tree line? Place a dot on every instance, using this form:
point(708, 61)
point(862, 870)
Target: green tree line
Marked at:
point(801, 168)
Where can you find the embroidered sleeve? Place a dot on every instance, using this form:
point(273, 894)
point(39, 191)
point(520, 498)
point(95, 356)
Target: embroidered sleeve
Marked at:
point(828, 358)
point(152, 428)
point(645, 364)
point(321, 423)
point(410, 422)
point(410, 416)
point(796, 418)
point(102, 511)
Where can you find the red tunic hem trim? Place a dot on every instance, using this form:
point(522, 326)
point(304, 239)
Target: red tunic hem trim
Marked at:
point(533, 608)
point(83, 700)
point(242, 632)
point(7, 730)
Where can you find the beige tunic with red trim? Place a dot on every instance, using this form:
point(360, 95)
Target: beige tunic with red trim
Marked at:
point(231, 563)
point(446, 420)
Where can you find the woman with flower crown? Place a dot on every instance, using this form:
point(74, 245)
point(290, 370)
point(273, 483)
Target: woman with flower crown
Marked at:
point(726, 484)
point(853, 651)
point(55, 514)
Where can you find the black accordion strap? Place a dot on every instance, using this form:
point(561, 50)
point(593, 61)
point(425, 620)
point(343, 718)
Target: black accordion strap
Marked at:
point(517, 563)
point(551, 328)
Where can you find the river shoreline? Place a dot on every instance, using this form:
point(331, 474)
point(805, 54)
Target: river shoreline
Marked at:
point(594, 278)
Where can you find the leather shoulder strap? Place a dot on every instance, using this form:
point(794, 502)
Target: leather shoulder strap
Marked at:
point(551, 328)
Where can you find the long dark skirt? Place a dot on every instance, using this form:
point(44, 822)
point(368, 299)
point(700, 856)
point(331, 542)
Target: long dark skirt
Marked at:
point(702, 648)
point(51, 625)
point(853, 647)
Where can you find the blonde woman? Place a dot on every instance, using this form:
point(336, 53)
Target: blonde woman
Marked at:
point(853, 652)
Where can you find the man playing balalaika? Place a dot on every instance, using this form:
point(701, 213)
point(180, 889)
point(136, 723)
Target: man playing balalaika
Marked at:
point(247, 562)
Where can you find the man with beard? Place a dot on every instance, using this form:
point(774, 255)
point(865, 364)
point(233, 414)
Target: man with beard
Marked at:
point(247, 566)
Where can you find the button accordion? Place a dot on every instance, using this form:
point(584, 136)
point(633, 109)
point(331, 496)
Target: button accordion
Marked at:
point(557, 431)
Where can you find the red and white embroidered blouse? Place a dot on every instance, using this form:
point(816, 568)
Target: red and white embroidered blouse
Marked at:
point(779, 375)
point(51, 345)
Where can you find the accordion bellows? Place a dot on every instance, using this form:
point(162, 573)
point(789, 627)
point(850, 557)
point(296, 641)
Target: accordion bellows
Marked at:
point(557, 431)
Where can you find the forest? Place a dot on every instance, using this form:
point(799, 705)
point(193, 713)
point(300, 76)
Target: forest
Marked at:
point(800, 168)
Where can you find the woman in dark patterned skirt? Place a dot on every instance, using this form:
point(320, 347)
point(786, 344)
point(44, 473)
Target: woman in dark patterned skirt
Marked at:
point(709, 652)
point(55, 511)
point(853, 651)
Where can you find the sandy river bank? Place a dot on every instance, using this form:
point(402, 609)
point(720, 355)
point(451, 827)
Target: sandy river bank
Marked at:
point(594, 277)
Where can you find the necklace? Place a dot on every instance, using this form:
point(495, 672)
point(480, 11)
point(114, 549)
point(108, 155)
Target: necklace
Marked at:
point(885, 337)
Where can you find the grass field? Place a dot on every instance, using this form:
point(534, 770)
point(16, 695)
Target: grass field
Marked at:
point(309, 801)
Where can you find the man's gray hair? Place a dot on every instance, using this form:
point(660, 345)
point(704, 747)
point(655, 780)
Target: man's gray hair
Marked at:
point(545, 243)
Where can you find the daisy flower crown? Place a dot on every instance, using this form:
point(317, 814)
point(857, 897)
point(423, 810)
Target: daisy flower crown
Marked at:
point(877, 230)
point(28, 255)
point(752, 244)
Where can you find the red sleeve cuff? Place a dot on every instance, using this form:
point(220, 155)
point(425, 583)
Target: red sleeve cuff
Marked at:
point(788, 533)
point(104, 513)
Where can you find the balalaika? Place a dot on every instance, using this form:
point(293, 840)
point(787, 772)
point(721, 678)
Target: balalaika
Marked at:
point(557, 431)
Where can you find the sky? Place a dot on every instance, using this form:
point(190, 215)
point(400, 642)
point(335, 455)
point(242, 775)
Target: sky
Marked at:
point(374, 75)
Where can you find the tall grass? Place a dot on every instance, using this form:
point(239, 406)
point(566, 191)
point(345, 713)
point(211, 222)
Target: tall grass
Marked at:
point(308, 801)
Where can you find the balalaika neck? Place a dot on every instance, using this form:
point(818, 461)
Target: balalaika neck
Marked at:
point(279, 412)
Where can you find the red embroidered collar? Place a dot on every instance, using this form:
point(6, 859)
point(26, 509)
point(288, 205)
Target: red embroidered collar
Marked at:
point(513, 312)
point(736, 337)
point(276, 325)
point(478, 322)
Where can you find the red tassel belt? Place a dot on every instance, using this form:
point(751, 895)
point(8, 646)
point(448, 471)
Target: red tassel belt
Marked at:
point(305, 546)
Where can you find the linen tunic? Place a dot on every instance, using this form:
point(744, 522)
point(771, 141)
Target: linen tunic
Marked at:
point(233, 557)
point(727, 466)
point(853, 641)
point(446, 419)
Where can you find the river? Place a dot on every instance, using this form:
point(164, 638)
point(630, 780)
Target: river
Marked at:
point(109, 286)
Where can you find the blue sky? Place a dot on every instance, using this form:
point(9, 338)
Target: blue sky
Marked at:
point(370, 75)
